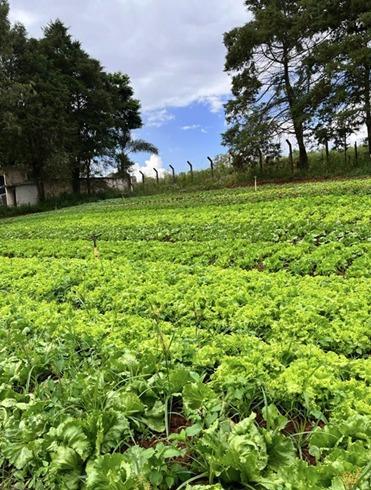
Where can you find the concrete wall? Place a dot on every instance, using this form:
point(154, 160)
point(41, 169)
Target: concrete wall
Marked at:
point(14, 176)
point(20, 190)
point(22, 195)
point(26, 195)
point(55, 188)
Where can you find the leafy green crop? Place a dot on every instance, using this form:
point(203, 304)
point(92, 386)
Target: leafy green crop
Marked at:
point(215, 340)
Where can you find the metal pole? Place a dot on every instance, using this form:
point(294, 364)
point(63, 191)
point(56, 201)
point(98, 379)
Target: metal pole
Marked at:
point(291, 159)
point(157, 178)
point(356, 152)
point(143, 176)
point(191, 169)
point(345, 148)
point(173, 172)
point(211, 166)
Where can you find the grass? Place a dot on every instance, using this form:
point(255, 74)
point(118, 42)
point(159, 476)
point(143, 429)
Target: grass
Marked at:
point(319, 168)
point(223, 177)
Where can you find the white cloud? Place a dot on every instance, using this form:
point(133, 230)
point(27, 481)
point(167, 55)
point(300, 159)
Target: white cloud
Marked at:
point(157, 118)
point(215, 102)
point(193, 127)
point(358, 136)
point(25, 17)
point(172, 50)
point(190, 127)
point(153, 162)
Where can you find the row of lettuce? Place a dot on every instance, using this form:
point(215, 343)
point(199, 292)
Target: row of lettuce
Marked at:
point(96, 359)
point(233, 357)
point(307, 219)
point(297, 258)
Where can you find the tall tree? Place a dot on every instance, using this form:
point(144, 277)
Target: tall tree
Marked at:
point(59, 110)
point(40, 116)
point(343, 60)
point(32, 115)
point(12, 91)
point(126, 118)
point(87, 106)
point(251, 137)
point(270, 78)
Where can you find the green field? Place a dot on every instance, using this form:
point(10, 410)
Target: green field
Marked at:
point(213, 340)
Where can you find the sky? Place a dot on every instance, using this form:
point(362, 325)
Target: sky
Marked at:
point(174, 54)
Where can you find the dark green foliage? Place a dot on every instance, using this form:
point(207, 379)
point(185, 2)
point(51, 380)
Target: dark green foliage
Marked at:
point(270, 82)
point(301, 67)
point(342, 62)
point(61, 114)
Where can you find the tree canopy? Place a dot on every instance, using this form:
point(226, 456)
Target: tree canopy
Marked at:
point(60, 111)
point(299, 68)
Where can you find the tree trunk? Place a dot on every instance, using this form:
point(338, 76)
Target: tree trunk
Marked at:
point(88, 181)
point(303, 156)
point(40, 190)
point(260, 160)
point(327, 150)
point(368, 124)
point(296, 118)
point(368, 107)
point(37, 175)
point(76, 188)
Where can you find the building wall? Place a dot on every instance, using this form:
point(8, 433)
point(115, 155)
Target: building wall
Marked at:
point(55, 188)
point(22, 195)
point(20, 191)
point(14, 176)
point(26, 195)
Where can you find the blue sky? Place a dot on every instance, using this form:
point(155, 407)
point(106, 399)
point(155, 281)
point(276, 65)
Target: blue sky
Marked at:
point(190, 133)
point(174, 54)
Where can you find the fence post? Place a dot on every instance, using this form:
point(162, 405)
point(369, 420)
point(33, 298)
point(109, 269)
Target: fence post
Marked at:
point(143, 176)
point(130, 182)
point(157, 178)
point(211, 166)
point(173, 172)
point(191, 169)
point(256, 183)
point(345, 148)
point(94, 238)
point(356, 152)
point(291, 158)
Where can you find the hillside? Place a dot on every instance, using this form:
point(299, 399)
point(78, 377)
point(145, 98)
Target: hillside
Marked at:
point(214, 338)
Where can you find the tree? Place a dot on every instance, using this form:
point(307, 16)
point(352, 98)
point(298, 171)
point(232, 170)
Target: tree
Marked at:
point(60, 112)
point(12, 91)
point(250, 137)
point(32, 96)
point(271, 82)
point(88, 105)
point(343, 60)
point(126, 118)
point(40, 117)
point(123, 160)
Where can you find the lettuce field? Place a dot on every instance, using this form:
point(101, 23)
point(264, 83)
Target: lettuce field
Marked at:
point(211, 340)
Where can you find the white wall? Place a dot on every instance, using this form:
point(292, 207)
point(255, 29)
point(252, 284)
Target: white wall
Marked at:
point(25, 195)
point(9, 197)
